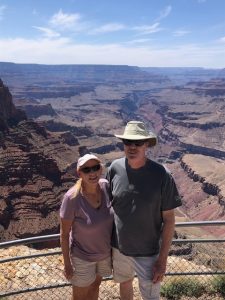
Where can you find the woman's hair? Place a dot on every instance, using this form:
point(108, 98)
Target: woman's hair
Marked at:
point(76, 188)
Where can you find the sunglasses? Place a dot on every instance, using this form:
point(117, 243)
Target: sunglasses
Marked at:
point(87, 170)
point(137, 143)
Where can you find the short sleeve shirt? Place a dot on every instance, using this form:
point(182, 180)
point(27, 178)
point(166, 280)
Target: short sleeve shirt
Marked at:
point(138, 198)
point(91, 228)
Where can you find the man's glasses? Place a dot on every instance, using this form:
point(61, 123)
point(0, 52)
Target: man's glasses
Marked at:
point(87, 170)
point(137, 143)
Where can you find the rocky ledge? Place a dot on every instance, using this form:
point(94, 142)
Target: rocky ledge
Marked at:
point(209, 172)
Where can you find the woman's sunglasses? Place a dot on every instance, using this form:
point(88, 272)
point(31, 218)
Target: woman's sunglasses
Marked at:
point(137, 143)
point(87, 170)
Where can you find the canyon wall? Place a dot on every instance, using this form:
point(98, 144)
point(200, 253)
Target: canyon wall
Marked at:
point(33, 174)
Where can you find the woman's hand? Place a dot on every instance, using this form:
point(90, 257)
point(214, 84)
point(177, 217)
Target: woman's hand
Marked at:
point(68, 271)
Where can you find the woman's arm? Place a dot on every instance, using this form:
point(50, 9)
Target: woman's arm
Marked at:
point(65, 228)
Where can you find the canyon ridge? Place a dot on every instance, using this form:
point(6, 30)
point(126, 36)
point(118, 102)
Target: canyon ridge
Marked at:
point(51, 114)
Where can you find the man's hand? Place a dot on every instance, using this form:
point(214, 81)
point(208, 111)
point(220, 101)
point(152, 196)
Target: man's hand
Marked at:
point(159, 267)
point(158, 271)
point(68, 271)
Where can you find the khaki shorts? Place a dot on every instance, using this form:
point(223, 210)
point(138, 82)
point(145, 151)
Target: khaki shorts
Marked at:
point(125, 267)
point(85, 271)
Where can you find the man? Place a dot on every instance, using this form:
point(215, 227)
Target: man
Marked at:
point(144, 196)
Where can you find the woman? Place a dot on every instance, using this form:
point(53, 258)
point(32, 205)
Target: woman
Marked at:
point(85, 230)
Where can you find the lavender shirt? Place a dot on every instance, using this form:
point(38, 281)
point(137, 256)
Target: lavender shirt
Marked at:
point(90, 236)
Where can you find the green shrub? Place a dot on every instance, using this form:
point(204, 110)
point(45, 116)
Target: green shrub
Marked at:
point(218, 284)
point(178, 287)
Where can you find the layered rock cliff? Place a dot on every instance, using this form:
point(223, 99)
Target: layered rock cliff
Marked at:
point(33, 175)
point(209, 172)
point(201, 182)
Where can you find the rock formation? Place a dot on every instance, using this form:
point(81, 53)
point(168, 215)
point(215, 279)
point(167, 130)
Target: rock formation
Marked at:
point(9, 115)
point(209, 172)
point(35, 111)
point(33, 174)
point(201, 183)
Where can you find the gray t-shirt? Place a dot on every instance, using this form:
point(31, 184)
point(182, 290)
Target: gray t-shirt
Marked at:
point(91, 232)
point(138, 198)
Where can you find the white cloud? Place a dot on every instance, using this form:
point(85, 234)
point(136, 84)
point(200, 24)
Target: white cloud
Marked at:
point(64, 21)
point(180, 32)
point(148, 29)
point(64, 51)
point(110, 27)
point(2, 9)
point(222, 39)
point(47, 32)
point(164, 13)
point(138, 41)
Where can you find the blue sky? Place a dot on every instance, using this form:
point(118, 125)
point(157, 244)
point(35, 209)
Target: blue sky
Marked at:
point(147, 33)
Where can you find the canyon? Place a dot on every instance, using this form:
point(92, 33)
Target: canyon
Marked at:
point(49, 115)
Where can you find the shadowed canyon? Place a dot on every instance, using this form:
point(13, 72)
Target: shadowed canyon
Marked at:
point(49, 115)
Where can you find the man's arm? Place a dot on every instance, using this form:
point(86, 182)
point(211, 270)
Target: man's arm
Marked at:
point(159, 268)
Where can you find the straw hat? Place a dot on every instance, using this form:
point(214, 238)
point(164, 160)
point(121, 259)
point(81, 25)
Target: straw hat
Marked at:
point(136, 130)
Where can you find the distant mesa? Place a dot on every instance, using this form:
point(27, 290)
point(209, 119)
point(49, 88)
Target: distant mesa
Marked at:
point(35, 111)
point(78, 73)
point(56, 126)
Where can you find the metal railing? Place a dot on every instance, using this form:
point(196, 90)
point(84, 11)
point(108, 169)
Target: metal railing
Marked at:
point(27, 273)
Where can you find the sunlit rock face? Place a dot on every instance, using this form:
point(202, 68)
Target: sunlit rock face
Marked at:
point(33, 174)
